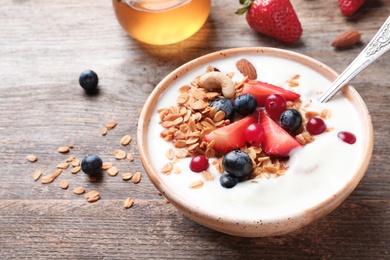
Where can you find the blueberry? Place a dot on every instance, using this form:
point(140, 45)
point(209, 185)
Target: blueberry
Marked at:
point(291, 120)
point(228, 181)
point(88, 80)
point(245, 104)
point(92, 165)
point(237, 164)
point(225, 105)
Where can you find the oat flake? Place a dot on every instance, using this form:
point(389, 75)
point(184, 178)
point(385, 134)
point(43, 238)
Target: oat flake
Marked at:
point(63, 149)
point(127, 176)
point(64, 184)
point(137, 177)
point(78, 190)
point(120, 154)
point(196, 184)
point(63, 165)
point(37, 174)
point(126, 140)
point(31, 158)
point(92, 196)
point(110, 125)
point(107, 165)
point(113, 171)
point(130, 157)
point(76, 169)
point(75, 162)
point(129, 202)
point(47, 179)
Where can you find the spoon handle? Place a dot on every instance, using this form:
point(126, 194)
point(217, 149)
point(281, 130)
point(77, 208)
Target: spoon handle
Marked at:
point(375, 48)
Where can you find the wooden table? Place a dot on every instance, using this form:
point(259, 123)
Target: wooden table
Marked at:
point(44, 45)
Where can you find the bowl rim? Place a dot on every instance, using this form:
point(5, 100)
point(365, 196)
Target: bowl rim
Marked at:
point(213, 222)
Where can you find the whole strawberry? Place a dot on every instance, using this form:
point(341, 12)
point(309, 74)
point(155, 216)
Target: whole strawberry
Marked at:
point(275, 18)
point(349, 7)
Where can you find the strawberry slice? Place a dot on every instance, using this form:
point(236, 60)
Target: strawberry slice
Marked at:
point(232, 136)
point(277, 141)
point(261, 91)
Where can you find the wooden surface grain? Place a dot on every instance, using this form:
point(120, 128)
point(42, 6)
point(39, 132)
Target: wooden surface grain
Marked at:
point(44, 45)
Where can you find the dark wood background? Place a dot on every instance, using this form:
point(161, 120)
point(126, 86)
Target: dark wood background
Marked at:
point(44, 45)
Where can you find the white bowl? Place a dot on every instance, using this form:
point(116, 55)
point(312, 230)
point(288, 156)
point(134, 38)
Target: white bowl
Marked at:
point(267, 207)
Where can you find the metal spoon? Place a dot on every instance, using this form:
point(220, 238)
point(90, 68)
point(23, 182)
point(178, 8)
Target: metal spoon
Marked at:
point(375, 48)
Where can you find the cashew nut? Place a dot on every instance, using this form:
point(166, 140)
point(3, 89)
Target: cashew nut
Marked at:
point(218, 80)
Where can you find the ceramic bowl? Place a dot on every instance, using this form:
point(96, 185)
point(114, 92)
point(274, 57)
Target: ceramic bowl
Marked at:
point(320, 176)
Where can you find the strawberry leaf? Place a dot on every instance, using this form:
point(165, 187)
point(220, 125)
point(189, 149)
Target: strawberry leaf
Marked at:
point(242, 10)
point(246, 4)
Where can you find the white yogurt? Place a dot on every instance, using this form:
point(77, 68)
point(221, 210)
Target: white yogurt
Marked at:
point(316, 171)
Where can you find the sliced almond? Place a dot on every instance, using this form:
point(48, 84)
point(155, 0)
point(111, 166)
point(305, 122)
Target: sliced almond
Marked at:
point(126, 140)
point(180, 144)
point(31, 158)
point(182, 99)
point(63, 149)
point(64, 184)
point(129, 202)
point(270, 168)
point(127, 176)
point(113, 171)
point(78, 190)
point(37, 174)
point(219, 115)
point(137, 177)
point(92, 196)
point(199, 105)
point(120, 154)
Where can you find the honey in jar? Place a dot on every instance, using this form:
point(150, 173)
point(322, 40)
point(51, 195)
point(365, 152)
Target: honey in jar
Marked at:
point(161, 21)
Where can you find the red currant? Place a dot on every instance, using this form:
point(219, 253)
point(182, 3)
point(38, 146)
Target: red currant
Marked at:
point(347, 137)
point(316, 126)
point(199, 163)
point(254, 134)
point(275, 105)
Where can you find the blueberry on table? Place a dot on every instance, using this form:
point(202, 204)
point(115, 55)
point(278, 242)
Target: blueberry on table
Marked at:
point(88, 80)
point(224, 104)
point(92, 165)
point(237, 164)
point(291, 120)
point(245, 104)
point(228, 181)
